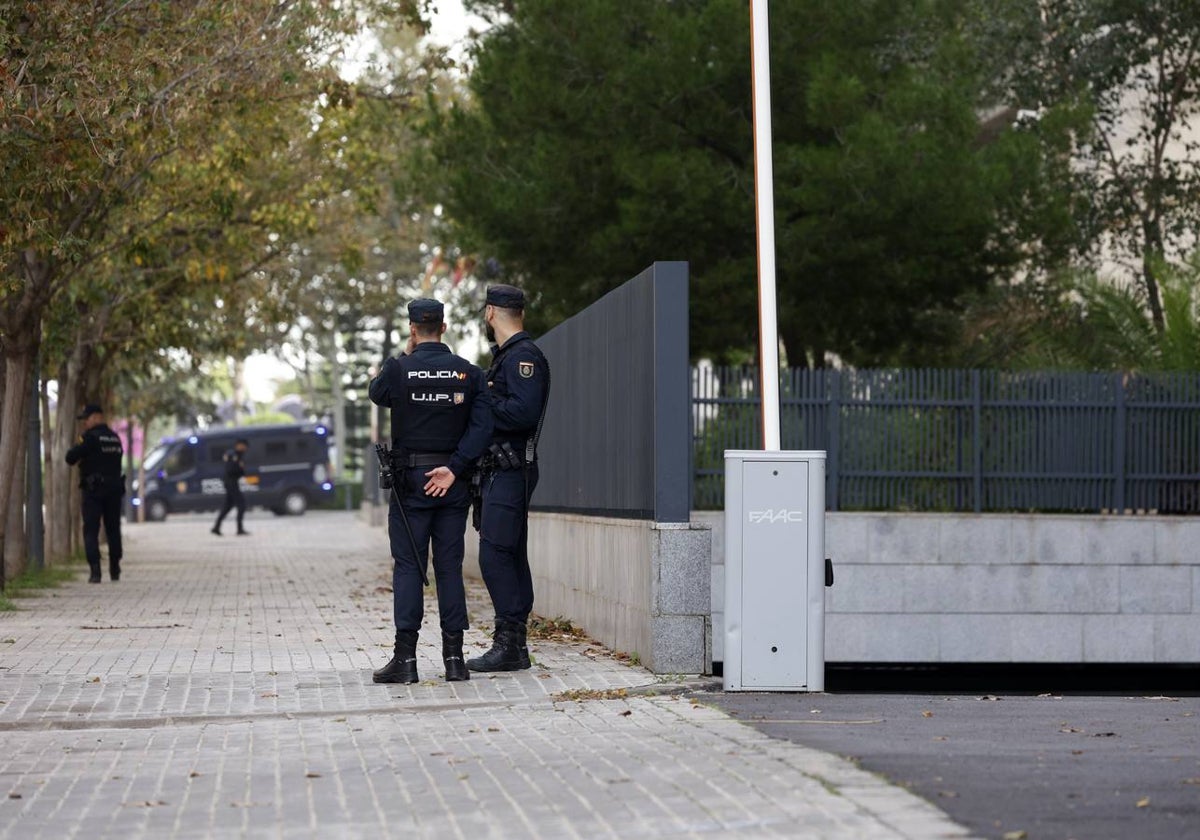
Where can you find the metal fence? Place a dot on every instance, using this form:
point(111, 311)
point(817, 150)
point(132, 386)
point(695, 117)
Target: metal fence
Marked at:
point(615, 441)
point(967, 440)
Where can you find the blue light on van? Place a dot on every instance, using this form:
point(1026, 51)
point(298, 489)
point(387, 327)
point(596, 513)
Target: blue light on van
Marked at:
point(193, 439)
point(326, 486)
point(321, 430)
point(136, 502)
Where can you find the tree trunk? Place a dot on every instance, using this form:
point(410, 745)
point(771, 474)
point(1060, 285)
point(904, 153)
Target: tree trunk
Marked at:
point(239, 389)
point(18, 366)
point(16, 545)
point(339, 408)
point(141, 466)
point(61, 511)
point(1152, 255)
point(3, 379)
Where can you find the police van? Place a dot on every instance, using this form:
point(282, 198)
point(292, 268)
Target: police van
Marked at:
point(287, 469)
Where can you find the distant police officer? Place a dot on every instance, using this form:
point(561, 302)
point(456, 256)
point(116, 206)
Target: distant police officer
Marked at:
point(441, 425)
point(98, 454)
point(235, 468)
point(519, 382)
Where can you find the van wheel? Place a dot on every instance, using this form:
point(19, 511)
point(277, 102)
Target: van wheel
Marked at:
point(156, 510)
point(295, 503)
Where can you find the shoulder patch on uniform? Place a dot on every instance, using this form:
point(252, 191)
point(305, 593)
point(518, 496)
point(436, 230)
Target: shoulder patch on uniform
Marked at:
point(459, 397)
point(525, 369)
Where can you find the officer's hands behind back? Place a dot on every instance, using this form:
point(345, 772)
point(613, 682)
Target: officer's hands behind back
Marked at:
point(441, 479)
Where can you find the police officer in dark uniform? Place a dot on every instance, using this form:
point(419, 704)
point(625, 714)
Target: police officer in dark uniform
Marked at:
point(235, 468)
point(98, 453)
point(441, 425)
point(519, 381)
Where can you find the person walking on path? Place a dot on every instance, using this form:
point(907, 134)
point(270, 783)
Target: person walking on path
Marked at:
point(441, 423)
point(98, 453)
point(235, 468)
point(519, 382)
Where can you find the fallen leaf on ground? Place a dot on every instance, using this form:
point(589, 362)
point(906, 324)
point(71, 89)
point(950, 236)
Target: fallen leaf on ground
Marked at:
point(927, 714)
point(311, 775)
point(1015, 835)
point(626, 713)
point(1144, 802)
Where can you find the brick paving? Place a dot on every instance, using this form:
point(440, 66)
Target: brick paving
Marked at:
point(222, 689)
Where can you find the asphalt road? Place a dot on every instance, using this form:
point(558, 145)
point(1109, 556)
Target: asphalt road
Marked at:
point(1054, 767)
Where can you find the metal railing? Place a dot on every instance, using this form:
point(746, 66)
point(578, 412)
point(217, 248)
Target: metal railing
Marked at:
point(967, 440)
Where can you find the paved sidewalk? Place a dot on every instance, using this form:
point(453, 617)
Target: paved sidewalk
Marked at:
point(223, 689)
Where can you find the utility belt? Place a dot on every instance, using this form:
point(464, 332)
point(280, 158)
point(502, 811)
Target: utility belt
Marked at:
point(403, 459)
point(391, 461)
point(501, 456)
point(100, 483)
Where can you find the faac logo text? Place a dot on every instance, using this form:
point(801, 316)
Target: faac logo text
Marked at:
point(771, 515)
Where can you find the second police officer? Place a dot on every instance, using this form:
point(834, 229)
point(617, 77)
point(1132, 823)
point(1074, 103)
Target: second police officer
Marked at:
point(234, 469)
point(441, 423)
point(519, 382)
point(98, 453)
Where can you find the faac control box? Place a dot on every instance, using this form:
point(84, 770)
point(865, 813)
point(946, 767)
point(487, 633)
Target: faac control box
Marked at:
point(775, 572)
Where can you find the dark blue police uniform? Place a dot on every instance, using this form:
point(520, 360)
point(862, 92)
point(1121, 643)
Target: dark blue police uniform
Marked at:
point(235, 468)
point(440, 416)
point(99, 454)
point(519, 382)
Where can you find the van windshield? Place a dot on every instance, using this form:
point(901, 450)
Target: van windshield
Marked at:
point(154, 458)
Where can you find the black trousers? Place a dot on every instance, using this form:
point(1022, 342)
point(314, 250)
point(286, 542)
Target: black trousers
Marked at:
point(441, 521)
point(233, 498)
point(503, 542)
point(106, 508)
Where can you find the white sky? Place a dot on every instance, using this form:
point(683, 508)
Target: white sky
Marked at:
point(450, 24)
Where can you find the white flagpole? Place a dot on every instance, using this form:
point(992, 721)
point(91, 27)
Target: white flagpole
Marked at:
point(764, 200)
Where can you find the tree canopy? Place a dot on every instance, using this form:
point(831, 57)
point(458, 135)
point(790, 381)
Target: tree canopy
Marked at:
point(603, 134)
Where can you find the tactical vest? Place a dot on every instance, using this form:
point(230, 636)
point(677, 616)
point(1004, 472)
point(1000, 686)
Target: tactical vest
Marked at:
point(431, 406)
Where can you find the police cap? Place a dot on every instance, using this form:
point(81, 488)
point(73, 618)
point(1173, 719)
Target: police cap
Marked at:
point(425, 311)
point(507, 297)
point(89, 410)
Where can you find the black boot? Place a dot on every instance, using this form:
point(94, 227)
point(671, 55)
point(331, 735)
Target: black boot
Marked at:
point(522, 645)
point(95, 576)
point(452, 656)
point(114, 569)
point(504, 655)
point(403, 667)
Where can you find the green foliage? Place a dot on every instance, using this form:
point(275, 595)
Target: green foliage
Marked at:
point(1107, 326)
point(31, 581)
point(604, 134)
point(337, 501)
point(1115, 85)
